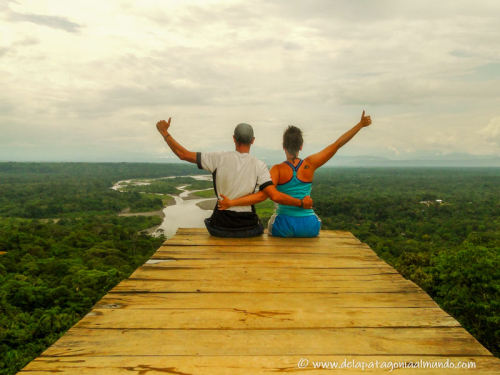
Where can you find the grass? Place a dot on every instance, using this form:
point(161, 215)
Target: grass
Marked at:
point(205, 194)
point(265, 210)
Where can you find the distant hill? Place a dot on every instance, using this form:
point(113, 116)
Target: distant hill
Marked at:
point(444, 161)
point(270, 157)
point(422, 159)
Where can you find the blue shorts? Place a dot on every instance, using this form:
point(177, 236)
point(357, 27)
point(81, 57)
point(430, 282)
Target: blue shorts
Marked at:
point(293, 226)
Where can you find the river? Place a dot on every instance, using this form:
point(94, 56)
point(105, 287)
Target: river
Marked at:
point(184, 213)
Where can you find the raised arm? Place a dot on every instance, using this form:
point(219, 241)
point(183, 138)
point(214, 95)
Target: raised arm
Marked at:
point(178, 150)
point(269, 191)
point(320, 158)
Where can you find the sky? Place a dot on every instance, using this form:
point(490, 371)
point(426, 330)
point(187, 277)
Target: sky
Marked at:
point(89, 80)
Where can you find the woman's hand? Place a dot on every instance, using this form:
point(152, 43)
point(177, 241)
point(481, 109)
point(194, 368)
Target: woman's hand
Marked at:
point(224, 204)
point(365, 121)
point(308, 202)
point(163, 126)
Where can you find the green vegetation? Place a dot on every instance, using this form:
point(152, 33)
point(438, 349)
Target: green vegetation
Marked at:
point(152, 202)
point(193, 184)
point(205, 193)
point(166, 185)
point(53, 190)
point(265, 210)
point(53, 273)
point(451, 250)
point(155, 186)
point(147, 203)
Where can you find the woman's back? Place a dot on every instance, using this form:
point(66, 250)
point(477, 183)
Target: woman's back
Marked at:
point(295, 181)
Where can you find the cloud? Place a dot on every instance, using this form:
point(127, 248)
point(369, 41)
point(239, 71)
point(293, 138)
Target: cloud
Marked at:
point(492, 131)
point(426, 72)
point(55, 22)
point(392, 148)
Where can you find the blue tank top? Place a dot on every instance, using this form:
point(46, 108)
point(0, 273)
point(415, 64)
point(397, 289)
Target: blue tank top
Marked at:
point(297, 189)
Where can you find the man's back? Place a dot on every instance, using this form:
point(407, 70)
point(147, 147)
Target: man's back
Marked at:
point(235, 175)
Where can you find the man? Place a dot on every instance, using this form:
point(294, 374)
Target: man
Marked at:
point(236, 173)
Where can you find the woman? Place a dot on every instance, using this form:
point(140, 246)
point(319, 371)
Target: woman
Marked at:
point(294, 177)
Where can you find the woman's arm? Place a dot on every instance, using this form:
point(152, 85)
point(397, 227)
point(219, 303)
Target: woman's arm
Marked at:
point(317, 160)
point(270, 191)
point(250, 199)
point(247, 200)
point(274, 194)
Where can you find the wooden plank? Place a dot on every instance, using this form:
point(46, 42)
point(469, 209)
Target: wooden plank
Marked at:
point(207, 240)
point(206, 305)
point(167, 267)
point(269, 260)
point(339, 249)
point(323, 233)
point(200, 240)
point(223, 257)
point(250, 274)
point(264, 301)
point(329, 341)
point(288, 316)
point(244, 365)
point(171, 265)
point(223, 286)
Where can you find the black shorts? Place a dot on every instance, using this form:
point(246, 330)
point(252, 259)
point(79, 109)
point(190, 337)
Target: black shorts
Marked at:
point(257, 230)
point(227, 219)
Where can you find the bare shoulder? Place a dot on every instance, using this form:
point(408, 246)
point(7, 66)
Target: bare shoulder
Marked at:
point(306, 171)
point(280, 167)
point(307, 163)
point(275, 169)
point(311, 162)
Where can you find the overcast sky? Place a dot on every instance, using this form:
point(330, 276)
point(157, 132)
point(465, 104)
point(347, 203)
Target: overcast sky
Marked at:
point(88, 80)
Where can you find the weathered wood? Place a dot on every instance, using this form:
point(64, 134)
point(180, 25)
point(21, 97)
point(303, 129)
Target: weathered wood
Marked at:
point(287, 316)
point(247, 274)
point(323, 233)
point(264, 301)
point(224, 286)
point(205, 305)
point(353, 254)
point(269, 260)
point(244, 365)
point(332, 249)
point(324, 341)
point(369, 259)
point(263, 240)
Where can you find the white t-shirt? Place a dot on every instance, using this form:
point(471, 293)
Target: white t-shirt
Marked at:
point(235, 174)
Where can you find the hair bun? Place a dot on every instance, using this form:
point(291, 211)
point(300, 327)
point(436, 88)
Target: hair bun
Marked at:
point(292, 140)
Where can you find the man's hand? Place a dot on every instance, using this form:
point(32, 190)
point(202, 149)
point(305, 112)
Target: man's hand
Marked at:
point(163, 126)
point(308, 202)
point(365, 121)
point(224, 204)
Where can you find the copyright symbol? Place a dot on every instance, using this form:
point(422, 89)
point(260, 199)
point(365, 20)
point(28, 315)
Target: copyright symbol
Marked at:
point(303, 363)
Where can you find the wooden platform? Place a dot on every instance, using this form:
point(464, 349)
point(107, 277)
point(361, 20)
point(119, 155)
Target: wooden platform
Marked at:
point(205, 305)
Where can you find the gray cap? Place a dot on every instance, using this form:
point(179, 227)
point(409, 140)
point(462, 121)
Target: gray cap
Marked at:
point(243, 133)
